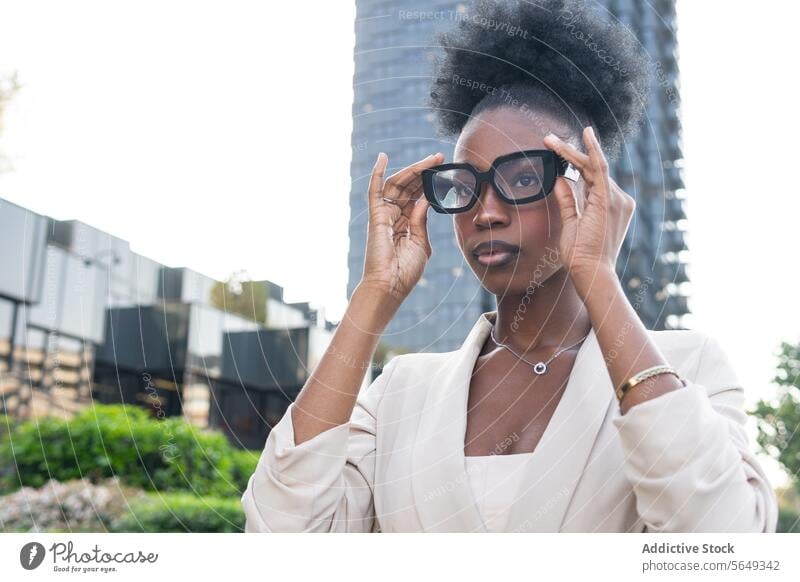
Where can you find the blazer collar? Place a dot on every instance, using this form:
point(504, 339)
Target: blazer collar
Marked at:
point(441, 486)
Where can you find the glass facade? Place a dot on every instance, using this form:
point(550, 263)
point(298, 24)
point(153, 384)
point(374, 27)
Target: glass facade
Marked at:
point(95, 322)
point(394, 55)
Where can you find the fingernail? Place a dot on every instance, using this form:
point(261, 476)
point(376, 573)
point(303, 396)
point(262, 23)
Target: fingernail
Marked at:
point(552, 136)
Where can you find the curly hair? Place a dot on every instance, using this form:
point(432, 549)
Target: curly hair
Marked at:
point(560, 57)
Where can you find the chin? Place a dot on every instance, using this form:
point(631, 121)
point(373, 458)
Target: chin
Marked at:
point(508, 279)
point(514, 278)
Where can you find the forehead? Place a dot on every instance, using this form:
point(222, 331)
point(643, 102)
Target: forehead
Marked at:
point(503, 130)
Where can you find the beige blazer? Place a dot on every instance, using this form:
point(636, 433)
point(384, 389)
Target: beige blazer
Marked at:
point(680, 462)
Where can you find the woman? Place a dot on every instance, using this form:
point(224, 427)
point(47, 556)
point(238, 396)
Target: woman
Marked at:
point(560, 412)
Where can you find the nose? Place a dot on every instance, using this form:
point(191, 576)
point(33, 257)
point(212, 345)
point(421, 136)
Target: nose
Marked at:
point(492, 211)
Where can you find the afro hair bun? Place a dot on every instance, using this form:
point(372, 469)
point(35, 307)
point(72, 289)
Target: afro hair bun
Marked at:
point(565, 50)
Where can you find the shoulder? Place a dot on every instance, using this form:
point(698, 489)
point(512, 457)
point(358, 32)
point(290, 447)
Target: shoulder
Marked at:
point(418, 363)
point(408, 372)
point(404, 378)
point(681, 343)
point(698, 355)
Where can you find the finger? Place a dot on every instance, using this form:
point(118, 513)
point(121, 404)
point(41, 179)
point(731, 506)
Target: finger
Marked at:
point(376, 193)
point(418, 222)
point(567, 204)
point(375, 189)
point(627, 201)
point(401, 179)
point(405, 198)
point(567, 151)
point(409, 195)
point(596, 155)
point(406, 193)
point(600, 190)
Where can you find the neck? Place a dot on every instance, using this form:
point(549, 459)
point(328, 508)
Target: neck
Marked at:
point(552, 316)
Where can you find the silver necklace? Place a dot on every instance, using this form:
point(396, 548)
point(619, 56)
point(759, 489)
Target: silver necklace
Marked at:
point(539, 368)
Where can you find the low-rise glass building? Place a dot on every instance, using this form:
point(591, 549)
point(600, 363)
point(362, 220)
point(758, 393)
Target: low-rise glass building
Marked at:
point(85, 319)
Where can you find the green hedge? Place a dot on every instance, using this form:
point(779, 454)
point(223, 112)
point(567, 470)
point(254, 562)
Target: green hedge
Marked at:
point(243, 465)
point(181, 512)
point(126, 442)
point(788, 522)
point(7, 424)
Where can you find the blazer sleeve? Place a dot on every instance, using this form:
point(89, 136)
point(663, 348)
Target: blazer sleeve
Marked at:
point(688, 456)
point(323, 484)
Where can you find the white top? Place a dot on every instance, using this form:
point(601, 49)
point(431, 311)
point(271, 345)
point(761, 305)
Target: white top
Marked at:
point(495, 482)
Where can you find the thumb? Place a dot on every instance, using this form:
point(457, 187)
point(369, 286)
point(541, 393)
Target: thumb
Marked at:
point(566, 201)
point(418, 224)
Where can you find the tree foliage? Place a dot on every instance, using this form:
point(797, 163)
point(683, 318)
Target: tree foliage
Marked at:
point(242, 296)
point(779, 419)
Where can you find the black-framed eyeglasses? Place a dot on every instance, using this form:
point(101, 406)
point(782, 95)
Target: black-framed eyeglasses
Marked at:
point(518, 178)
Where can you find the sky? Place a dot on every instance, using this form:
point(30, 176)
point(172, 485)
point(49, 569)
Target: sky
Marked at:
point(216, 135)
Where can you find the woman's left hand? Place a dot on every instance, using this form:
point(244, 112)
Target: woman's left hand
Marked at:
point(593, 227)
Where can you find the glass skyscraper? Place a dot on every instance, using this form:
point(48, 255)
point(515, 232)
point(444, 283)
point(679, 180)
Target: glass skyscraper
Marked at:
point(394, 54)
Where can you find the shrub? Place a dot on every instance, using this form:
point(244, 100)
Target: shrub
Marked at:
point(6, 424)
point(75, 506)
point(244, 464)
point(788, 521)
point(181, 512)
point(779, 418)
point(124, 441)
point(6, 470)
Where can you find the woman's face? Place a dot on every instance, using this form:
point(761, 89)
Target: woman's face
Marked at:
point(530, 231)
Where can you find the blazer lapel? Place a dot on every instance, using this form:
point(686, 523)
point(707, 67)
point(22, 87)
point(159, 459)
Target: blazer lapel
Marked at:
point(440, 483)
point(557, 464)
point(442, 490)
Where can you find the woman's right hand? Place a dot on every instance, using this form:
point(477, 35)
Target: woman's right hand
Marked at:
point(397, 235)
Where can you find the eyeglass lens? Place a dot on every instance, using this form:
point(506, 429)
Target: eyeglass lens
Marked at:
point(517, 178)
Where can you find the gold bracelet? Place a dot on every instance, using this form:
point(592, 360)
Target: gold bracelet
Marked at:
point(644, 375)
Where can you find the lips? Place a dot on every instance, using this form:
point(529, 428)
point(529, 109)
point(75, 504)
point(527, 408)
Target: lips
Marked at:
point(495, 253)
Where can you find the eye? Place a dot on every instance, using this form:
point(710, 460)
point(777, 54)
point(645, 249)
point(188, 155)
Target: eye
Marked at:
point(462, 189)
point(526, 180)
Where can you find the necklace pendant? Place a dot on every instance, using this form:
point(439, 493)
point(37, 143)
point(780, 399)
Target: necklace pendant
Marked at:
point(540, 368)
